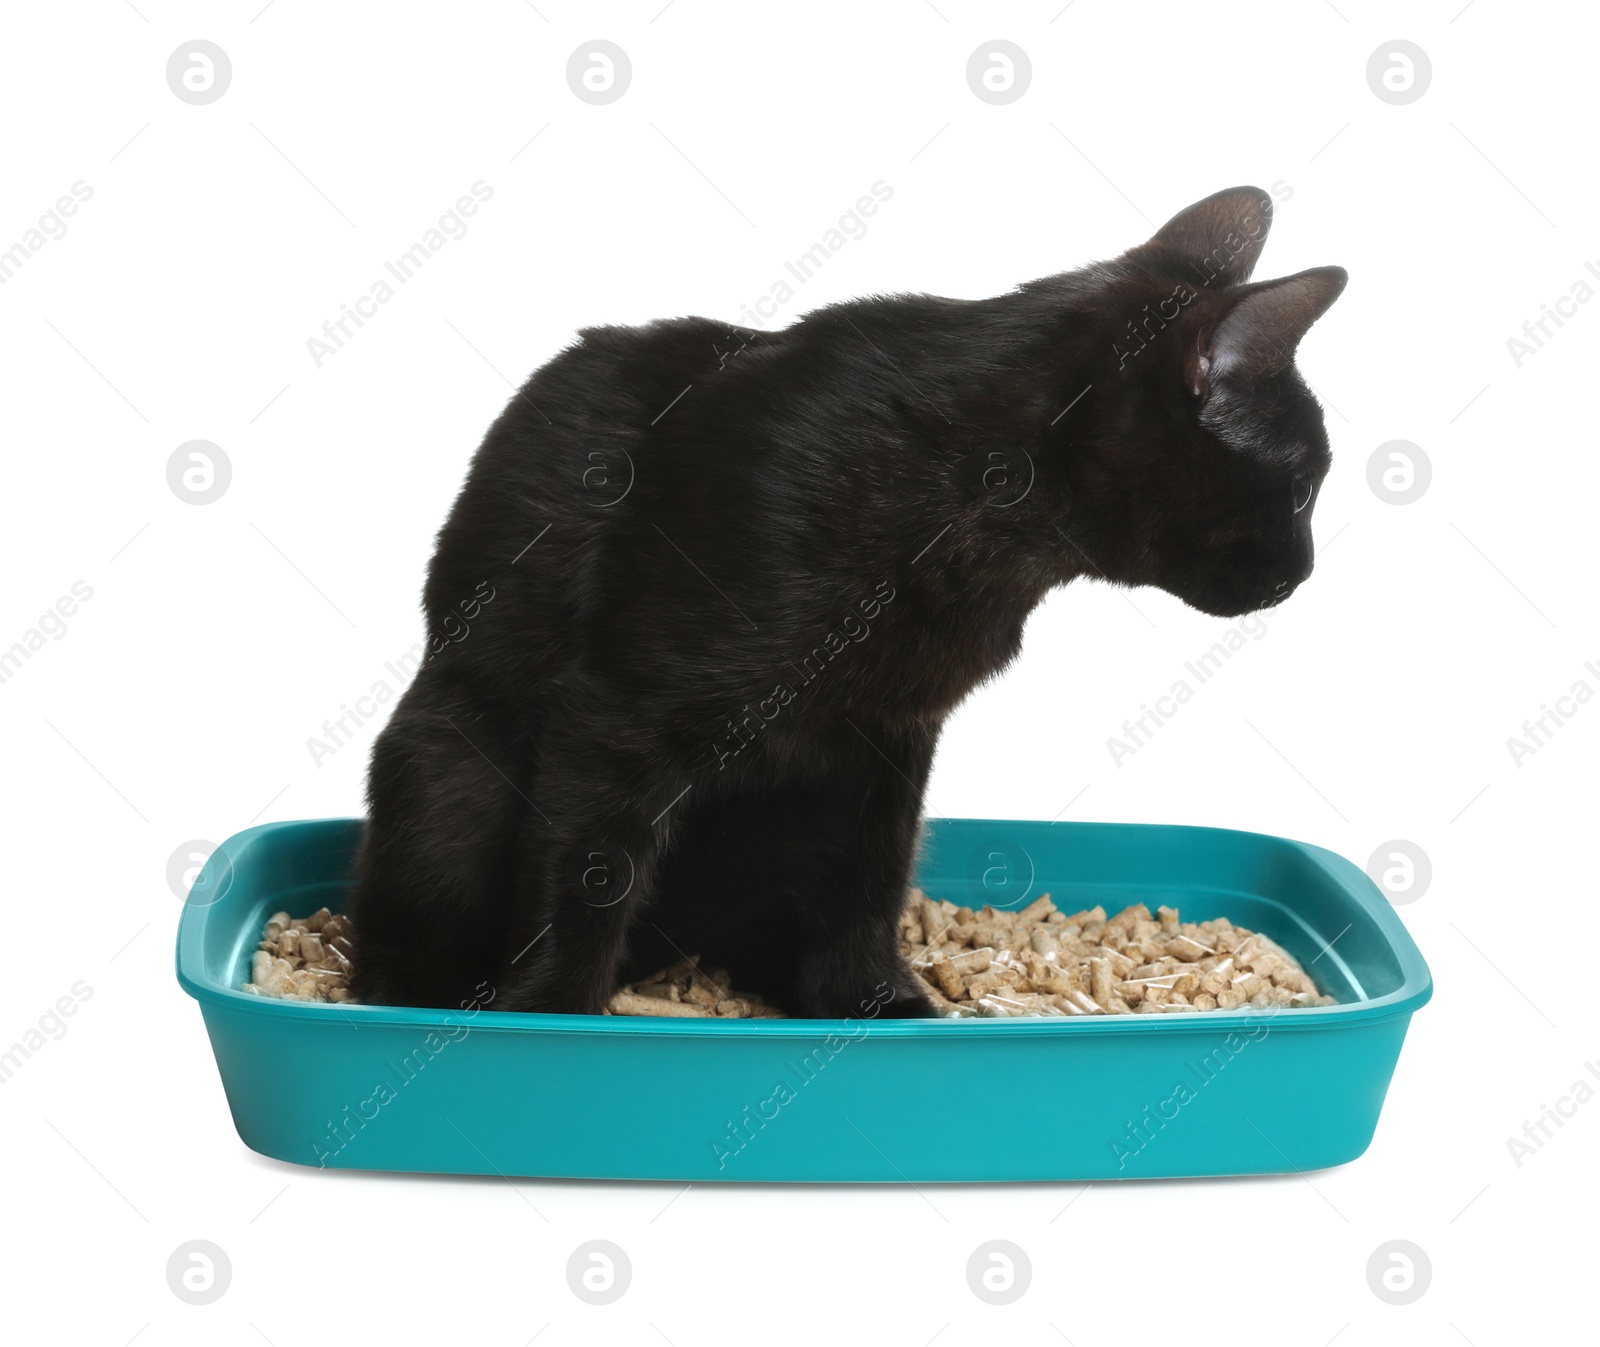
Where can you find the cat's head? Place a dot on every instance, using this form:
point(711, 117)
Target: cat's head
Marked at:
point(1211, 448)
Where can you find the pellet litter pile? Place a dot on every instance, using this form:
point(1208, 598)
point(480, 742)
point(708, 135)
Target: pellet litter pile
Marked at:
point(1041, 961)
point(990, 963)
point(691, 993)
point(302, 960)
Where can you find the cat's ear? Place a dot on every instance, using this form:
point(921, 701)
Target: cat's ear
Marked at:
point(1219, 239)
point(1260, 333)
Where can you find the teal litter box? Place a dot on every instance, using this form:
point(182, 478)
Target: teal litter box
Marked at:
point(479, 1091)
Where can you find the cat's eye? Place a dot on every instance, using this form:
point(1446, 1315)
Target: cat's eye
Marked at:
point(1302, 493)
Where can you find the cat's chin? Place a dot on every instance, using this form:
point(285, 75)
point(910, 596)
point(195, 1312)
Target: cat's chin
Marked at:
point(1233, 608)
point(1236, 603)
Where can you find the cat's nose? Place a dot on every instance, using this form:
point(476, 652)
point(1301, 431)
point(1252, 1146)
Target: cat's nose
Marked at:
point(1301, 569)
point(1283, 589)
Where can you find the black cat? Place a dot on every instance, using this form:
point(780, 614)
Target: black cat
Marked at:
point(707, 597)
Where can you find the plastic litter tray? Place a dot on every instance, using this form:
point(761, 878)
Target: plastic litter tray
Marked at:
point(480, 1091)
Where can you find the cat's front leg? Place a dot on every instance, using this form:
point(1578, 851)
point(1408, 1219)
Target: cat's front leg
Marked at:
point(849, 962)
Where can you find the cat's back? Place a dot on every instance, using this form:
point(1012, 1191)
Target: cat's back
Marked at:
point(756, 437)
point(610, 436)
point(630, 376)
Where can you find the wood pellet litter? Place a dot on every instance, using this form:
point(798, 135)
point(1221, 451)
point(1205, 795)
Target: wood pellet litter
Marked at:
point(991, 963)
point(304, 959)
point(689, 992)
point(1041, 961)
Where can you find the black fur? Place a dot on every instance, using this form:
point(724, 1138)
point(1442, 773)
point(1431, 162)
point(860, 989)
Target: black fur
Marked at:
point(707, 597)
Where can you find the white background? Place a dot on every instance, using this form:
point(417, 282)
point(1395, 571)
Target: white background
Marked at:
point(178, 703)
